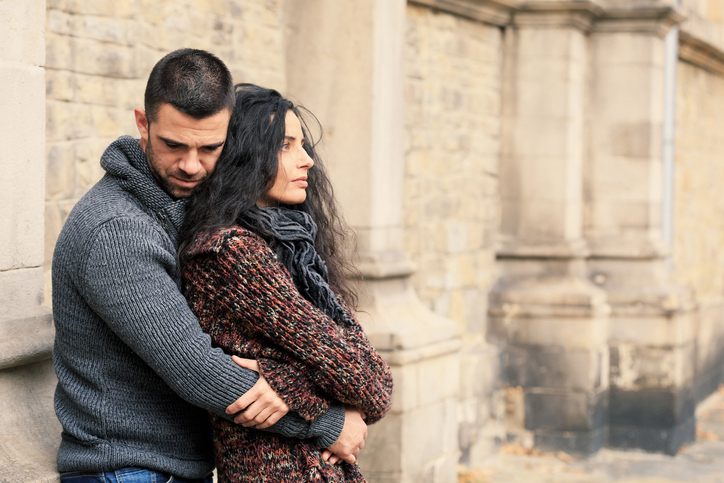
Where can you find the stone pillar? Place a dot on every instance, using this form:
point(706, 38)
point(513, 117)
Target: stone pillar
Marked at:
point(29, 431)
point(551, 322)
point(345, 62)
point(652, 328)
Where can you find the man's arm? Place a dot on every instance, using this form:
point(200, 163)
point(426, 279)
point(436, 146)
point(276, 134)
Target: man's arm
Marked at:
point(126, 278)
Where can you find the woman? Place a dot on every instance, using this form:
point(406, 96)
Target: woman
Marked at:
point(264, 273)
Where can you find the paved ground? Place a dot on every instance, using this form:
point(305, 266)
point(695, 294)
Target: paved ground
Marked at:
point(699, 462)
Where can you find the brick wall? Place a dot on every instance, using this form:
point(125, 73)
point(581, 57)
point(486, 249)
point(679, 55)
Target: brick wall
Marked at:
point(99, 54)
point(452, 121)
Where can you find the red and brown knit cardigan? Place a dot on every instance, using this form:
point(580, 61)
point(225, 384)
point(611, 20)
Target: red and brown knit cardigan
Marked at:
point(247, 302)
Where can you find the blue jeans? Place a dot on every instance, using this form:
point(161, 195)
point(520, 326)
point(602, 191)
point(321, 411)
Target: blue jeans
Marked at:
point(126, 475)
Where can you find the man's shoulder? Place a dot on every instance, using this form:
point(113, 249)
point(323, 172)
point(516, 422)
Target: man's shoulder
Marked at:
point(104, 203)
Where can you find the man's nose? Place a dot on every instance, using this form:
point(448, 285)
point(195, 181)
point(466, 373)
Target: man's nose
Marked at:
point(190, 163)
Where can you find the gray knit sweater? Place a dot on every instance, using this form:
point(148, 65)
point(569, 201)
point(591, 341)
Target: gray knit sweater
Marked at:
point(135, 372)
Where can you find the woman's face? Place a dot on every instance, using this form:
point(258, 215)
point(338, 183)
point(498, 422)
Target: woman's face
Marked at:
point(290, 185)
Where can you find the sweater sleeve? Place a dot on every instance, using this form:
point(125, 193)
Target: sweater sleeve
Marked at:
point(127, 280)
point(255, 296)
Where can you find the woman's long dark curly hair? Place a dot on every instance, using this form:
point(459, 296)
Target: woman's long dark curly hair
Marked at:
point(246, 170)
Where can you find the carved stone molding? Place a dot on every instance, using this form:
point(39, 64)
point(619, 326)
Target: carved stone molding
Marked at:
point(580, 15)
point(700, 53)
point(495, 12)
point(656, 20)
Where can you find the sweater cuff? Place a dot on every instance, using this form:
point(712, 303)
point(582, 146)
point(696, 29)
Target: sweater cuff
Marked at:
point(326, 428)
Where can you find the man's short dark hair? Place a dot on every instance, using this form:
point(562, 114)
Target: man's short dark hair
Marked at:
point(193, 81)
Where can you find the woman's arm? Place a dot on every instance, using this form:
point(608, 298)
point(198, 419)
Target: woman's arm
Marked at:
point(255, 298)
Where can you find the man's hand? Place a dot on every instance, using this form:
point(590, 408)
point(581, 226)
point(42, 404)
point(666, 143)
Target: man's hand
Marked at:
point(352, 439)
point(260, 407)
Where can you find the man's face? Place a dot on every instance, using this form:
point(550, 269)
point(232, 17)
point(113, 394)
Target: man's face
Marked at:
point(181, 151)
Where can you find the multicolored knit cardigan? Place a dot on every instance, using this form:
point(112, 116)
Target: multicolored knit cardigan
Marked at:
point(246, 301)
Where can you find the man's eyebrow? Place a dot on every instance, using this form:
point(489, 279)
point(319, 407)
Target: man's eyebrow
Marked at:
point(171, 141)
point(177, 143)
point(214, 145)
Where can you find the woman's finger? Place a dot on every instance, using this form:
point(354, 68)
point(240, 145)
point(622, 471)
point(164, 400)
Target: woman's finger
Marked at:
point(246, 363)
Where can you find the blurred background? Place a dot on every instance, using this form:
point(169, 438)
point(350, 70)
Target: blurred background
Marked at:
point(535, 187)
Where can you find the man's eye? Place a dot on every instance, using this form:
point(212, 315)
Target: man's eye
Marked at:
point(172, 145)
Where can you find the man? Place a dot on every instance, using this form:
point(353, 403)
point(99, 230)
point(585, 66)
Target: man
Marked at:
point(136, 374)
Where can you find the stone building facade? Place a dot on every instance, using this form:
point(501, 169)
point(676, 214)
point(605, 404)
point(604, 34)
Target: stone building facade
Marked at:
point(534, 186)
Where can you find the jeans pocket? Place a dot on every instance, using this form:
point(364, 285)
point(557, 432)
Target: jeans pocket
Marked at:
point(83, 477)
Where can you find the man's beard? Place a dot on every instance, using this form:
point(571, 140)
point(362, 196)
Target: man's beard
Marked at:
point(161, 177)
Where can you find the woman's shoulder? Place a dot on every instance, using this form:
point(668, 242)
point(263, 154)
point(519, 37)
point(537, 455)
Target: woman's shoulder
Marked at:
point(221, 240)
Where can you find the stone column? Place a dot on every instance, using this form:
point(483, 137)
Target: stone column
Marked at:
point(551, 322)
point(29, 431)
point(345, 62)
point(652, 336)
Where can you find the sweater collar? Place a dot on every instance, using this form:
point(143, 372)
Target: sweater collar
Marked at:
point(125, 161)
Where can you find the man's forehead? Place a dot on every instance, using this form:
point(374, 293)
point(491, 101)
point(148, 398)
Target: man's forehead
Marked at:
point(172, 123)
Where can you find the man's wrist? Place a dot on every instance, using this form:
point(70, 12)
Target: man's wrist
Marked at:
point(327, 427)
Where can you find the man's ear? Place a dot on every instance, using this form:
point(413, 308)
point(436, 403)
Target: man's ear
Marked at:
point(142, 125)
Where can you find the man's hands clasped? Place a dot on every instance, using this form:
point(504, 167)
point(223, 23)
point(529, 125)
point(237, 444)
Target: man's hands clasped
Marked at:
point(261, 407)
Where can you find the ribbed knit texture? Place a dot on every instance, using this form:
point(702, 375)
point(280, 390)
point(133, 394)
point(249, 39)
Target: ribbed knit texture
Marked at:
point(136, 374)
point(247, 301)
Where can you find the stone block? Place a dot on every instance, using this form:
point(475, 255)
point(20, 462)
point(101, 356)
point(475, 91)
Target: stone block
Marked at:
point(439, 379)
point(569, 333)
point(60, 85)
point(22, 185)
point(584, 443)
point(21, 32)
point(569, 411)
point(29, 430)
point(59, 52)
point(101, 58)
point(635, 367)
point(406, 396)
point(105, 29)
point(630, 93)
point(426, 434)
point(556, 368)
point(616, 48)
point(59, 22)
point(660, 439)
point(652, 331)
point(651, 407)
point(382, 454)
point(606, 182)
point(60, 171)
point(21, 293)
point(479, 370)
point(550, 44)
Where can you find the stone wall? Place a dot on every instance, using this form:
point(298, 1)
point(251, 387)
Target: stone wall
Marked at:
point(453, 80)
point(698, 245)
point(698, 257)
point(452, 123)
point(99, 55)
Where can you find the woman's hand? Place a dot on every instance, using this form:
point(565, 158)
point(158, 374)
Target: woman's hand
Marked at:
point(260, 407)
point(330, 457)
point(352, 439)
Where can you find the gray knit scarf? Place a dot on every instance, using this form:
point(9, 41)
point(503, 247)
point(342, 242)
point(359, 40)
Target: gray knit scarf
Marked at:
point(294, 232)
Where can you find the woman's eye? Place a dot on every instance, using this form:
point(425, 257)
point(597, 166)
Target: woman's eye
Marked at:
point(285, 147)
